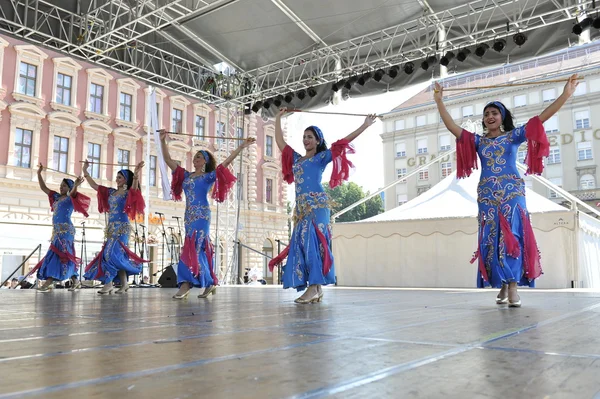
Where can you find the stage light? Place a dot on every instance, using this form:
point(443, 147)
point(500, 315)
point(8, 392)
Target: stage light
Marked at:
point(432, 60)
point(519, 39)
point(409, 67)
point(247, 109)
point(267, 103)
point(289, 97)
point(393, 71)
point(447, 58)
point(301, 94)
point(278, 100)
point(425, 65)
point(338, 85)
point(350, 82)
point(499, 45)
point(364, 78)
point(311, 92)
point(596, 23)
point(256, 106)
point(463, 54)
point(582, 25)
point(378, 75)
point(481, 49)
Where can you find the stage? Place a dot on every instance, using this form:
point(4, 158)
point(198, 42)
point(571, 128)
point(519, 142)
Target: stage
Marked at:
point(254, 342)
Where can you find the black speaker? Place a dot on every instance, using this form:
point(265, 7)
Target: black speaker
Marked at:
point(168, 279)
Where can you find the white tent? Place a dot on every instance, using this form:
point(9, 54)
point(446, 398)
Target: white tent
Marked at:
point(429, 241)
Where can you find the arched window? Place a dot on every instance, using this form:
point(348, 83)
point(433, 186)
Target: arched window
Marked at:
point(587, 182)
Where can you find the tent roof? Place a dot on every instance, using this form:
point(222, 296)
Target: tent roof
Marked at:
point(453, 198)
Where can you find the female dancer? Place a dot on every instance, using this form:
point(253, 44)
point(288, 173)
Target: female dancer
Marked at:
point(507, 251)
point(195, 266)
point(310, 261)
point(60, 262)
point(116, 261)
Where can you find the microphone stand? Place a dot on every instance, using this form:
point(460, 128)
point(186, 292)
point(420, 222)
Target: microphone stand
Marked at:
point(83, 253)
point(172, 246)
point(144, 251)
point(164, 239)
point(135, 248)
point(179, 236)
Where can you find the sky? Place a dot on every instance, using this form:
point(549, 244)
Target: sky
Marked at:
point(368, 159)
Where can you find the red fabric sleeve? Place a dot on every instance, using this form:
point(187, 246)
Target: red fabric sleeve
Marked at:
point(102, 195)
point(279, 258)
point(177, 183)
point(538, 146)
point(466, 154)
point(341, 164)
point(81, 203)
point(287, 162)
point(51, 195)
point(134, 204)
point(224, 182)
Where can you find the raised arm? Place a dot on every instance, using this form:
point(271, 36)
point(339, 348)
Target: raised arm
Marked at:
point(236, 152)
point(136, 180)
point(568, 91)
point(78, 182)
point(369, 120)
point(278, 132)
point(41, 181)
point(165, 150)
point(438, 95)
point(87, 176)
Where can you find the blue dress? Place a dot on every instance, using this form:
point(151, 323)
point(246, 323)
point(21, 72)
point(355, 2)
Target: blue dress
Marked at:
point(309, 248)
point(507, 250)
point(196, 262)
point(62, 242)
point(115, 255)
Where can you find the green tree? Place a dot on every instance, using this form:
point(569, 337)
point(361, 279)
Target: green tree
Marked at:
point(349, 193)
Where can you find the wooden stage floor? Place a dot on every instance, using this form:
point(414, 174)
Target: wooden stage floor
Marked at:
point(254, 342)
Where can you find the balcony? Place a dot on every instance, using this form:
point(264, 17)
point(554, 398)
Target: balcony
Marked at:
point(587, 195)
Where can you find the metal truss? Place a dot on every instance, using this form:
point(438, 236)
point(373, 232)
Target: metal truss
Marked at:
point(465, 25)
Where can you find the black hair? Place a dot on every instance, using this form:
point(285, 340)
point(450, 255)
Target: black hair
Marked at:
point(507, 121)
point(129, 178)
point(322, 146)
point(212, 162)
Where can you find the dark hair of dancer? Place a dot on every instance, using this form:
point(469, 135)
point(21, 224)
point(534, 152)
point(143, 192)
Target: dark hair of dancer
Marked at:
point(322, 144)
point(127, 175)
point(211, 162)
point(507, 118)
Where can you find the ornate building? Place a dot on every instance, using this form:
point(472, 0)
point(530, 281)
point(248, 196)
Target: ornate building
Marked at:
point(59, 111)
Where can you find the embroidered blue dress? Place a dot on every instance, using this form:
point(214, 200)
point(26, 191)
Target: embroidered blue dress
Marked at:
point(115, 255)
point(507, 251)
point(60, 262)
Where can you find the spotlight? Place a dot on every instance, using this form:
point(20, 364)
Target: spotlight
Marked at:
point(301, 94)
point(289, 97)
point(267, 103)
point(596, 23)
point(256, 106)
point(393, 71)
point(519, 39)
point(311, 92)
point(278, 100)
point(247, 109)
point(447, 58)
point(350, 82)
point(378, 75)
point(499, 45)
point(425, 65)
point(431, 60)
point(364, 78)
point(582, 25)
point(463, 54)
point(409, 67)
point(481, 49)
point(337, 85)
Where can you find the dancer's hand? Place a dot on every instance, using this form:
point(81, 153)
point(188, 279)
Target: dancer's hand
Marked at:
point(438, 92)
point(40, 168)
point(86, 165)
point(571, 85)
point(163, 134)
point(78, 181)
point(248, 142)
point(369, 120)
point(283, 111)
point(138, 167)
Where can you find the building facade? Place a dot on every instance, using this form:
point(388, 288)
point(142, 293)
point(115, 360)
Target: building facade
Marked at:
point(58, 111)
point(414, 133)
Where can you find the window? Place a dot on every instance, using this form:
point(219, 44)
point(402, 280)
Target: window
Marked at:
point(239, 133)
point(269, 146)
point(96, 98)
point(152, 171)
point(520, 101)
point(548, 95)
point(177, 117)
point(445, 142)
point(401, 198)
point(123, 158)
point(23, 148)
point(269, 191)
point(580, 90)
point(557, 181)
point(400, 150)
point(582, 119)
point(199, 129)
point(554, 156)
point(424, 174)
point(240, 186)
point(551, 125)
point(446, 169)
point(64, 84)
point(422, 146)
point(94, 158)
point(220, 133)
point(584, 150)
point(421, 120)
point(27, 78)
point(587, 182)
point(125, 107)
point(467, 111)
point(61, 153)
point(401, 172)
point(399, 124)
point(521, 155)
